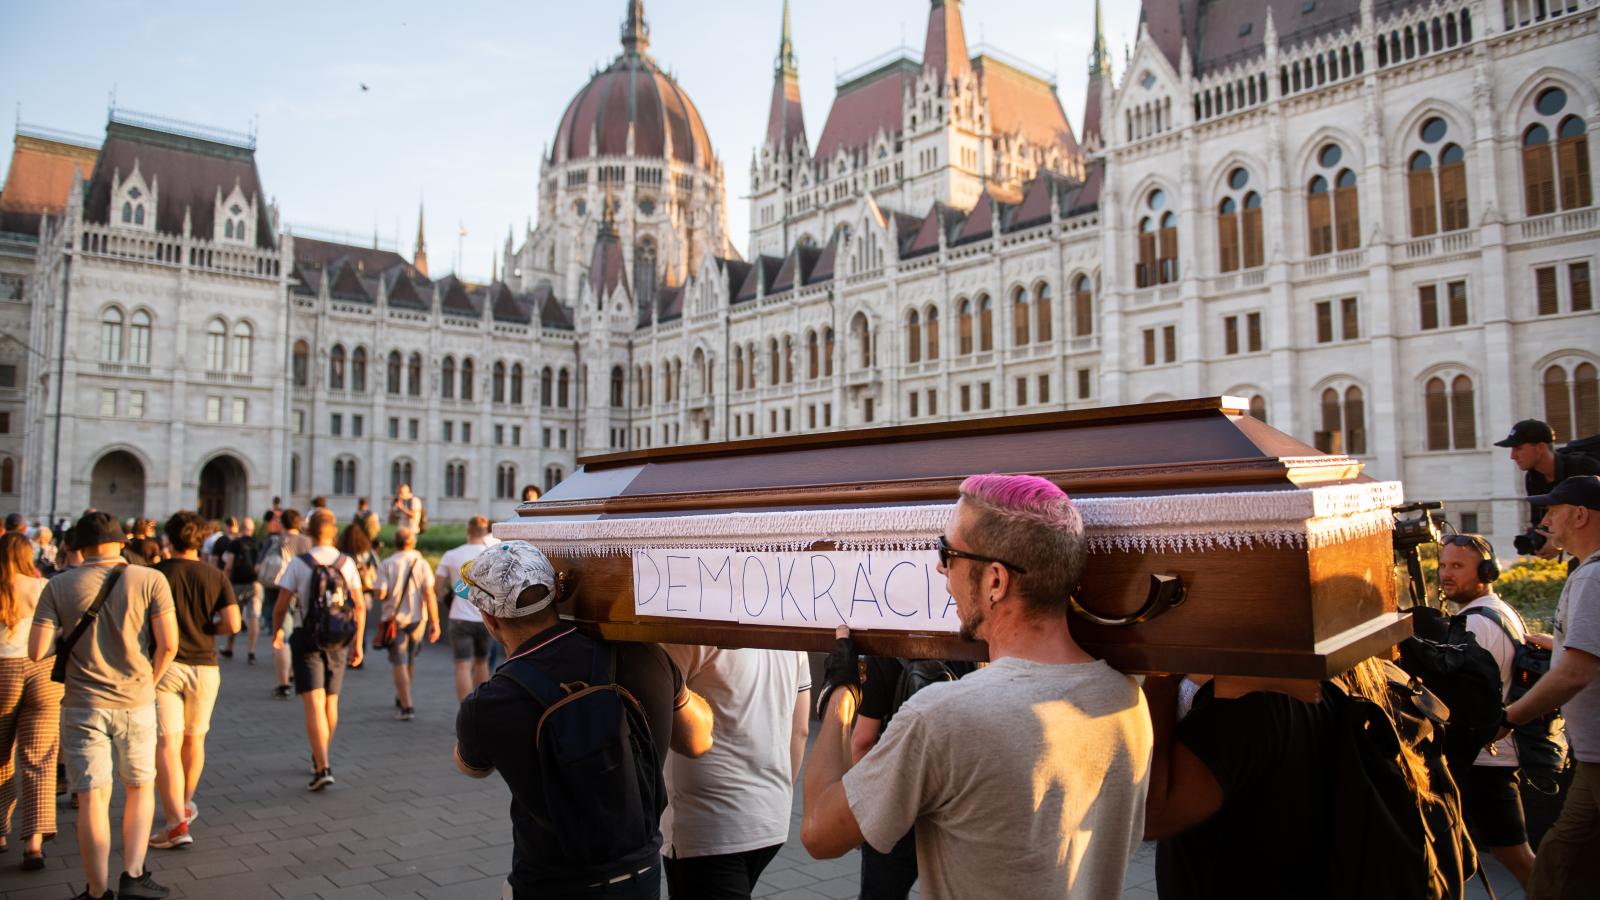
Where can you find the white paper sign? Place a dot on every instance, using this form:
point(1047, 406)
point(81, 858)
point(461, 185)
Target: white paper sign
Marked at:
point(883, 590)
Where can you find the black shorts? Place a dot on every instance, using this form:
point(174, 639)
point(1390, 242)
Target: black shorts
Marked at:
point(316, 668)
point(469, 640)
point(1491, 799)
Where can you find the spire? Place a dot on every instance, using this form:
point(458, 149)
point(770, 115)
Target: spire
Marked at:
point(635, 30)
point(945, 50)
point(1099, 56)
point(420, 260)
point(786, 63)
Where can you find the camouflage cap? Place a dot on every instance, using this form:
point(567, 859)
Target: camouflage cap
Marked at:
point(497, 582)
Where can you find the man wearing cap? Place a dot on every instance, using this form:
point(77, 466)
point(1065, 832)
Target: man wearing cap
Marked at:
point(515, 588)
point(1567, 864)
point(108, 716)
point(1532, 445)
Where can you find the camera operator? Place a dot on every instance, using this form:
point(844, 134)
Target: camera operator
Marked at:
point(1532, 444)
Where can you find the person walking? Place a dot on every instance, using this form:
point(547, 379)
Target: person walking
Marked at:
point(30, 711)
point(187, 692)
point(407, 510)
point(354, 543)
point(405, 587)
point(286, 542)
point(240, 564)
point(106, 608)
point(469, 640)
point(322, 585)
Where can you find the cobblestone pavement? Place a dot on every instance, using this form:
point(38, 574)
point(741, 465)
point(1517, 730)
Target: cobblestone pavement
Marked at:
point(399, 823)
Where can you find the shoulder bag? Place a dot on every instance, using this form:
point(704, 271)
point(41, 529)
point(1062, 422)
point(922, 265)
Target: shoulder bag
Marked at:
point(58, 670)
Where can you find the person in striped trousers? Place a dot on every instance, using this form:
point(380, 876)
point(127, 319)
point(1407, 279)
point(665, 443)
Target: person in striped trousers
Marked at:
point(30, 710)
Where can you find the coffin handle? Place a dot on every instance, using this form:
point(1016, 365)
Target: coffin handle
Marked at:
point(1166, 591)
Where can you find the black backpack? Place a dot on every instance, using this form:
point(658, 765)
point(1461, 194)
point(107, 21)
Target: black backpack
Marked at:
point(1586, 448)
point(603, 785)
point(1443, 653)
point(1542, 743)
point(245, 553)
point(916, 674)
point(1387, 841)
point(330, 612)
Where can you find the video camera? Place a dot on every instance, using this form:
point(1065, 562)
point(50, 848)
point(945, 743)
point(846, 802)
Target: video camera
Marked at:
point(1416, 524)
point(1530, 542)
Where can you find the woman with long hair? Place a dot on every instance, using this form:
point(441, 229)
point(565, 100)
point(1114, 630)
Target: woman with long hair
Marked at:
point(30, 709)
point(354, 543)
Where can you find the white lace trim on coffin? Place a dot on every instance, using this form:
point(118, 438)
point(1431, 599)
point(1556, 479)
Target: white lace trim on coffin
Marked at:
point(1182, 523)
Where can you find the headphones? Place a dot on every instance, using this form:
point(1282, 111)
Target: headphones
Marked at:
point(1488, 565)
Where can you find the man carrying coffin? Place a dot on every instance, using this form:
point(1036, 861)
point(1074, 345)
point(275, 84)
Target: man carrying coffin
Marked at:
point(1026, 778)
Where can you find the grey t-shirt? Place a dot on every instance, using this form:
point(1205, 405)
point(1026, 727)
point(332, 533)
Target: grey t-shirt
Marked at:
point(1023, 779)
point(1578, 626)
point(108, 668)
point(407, 582)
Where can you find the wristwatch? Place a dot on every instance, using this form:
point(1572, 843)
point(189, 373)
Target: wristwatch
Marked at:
point(1505, 720)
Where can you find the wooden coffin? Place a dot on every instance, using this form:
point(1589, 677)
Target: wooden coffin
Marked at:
point(1234, 548)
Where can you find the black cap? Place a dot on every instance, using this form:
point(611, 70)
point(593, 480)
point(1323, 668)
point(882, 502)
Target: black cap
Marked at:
point(1528, 431)
point(96, 528)
point(1576, 490)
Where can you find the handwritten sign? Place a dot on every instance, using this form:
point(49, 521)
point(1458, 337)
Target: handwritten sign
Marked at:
point(895, 591)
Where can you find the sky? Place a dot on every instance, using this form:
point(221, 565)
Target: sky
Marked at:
point(463, 98)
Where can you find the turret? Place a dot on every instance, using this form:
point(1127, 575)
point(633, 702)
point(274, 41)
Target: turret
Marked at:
point(635, 30)
point(945, 50)
point(1099, 76)
point(786, 124)
point(419, 260)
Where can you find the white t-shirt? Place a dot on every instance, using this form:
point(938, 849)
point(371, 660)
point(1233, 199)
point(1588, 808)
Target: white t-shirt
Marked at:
point(449, 572)
point(1491, 637)
point(296, 577)
point(1023, 779)
point(14, 640)
point(740, 794)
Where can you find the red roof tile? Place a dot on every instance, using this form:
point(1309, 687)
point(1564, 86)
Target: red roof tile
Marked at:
point(786, 121)
point(634, 93)
point(39, 180)
point(864, 107)
point(1021, 104)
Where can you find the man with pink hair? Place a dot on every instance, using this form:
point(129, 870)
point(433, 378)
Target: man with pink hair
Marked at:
point(1026, 778)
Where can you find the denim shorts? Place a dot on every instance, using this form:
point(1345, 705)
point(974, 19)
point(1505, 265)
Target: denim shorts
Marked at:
point(407, 645)
point(104, 746)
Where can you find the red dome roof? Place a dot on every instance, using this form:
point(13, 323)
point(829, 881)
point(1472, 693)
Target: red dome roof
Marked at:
point(633, 92)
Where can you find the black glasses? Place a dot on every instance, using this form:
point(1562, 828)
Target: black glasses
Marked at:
point(1467, 540)
point(947, 553)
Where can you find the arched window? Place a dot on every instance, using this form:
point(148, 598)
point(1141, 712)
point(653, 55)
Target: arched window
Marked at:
point(933, 332)
point(1564, 166)
point(618, 387)
point(336, 364)
point(1158, 243)
point(395, 373)
point(497, 383)
point(1043, 313)
point(1450, 413)
point(1572, 162)
point(217, 347)
point(985, 323)
point(139, 338)
point(505, 482)
point(1239, 243)
point(294, 473)
point(1572, 407)
point(1436, 188)
point(788, 359)
point(468, 378)
point(552, 477)
point(1082, 307)
point(964, 318)
point(1258, 407)
point(861, 335)
point(400, 472)
point(1021, 318)
point(1420, 193)
point(300, 369)
point(455, 479)
point(546, 395)
point(344, 477)
point(447, 378)
point(738, 366)
point(414, 375)
point(111, 335)
point(243, 347)
point(517, 378)
point(813, 352)
point(644, 272)
point(913, 337)
point(1344, 417)
point(358, 370)
point(1538, 171)
point(563, 388)
point(1333, 206)
point(8, 476)
point(827, 352)
point(773, 364)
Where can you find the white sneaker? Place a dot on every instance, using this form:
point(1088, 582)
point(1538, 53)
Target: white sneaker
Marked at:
point(190, 812)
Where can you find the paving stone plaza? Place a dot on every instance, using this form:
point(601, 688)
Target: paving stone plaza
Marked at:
point(400, 822)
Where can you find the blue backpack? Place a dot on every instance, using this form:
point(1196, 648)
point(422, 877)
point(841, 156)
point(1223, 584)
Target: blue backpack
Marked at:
point(330, 612)
point(603, 785)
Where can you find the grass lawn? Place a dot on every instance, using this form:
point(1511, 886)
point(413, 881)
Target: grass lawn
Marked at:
point(433, 543)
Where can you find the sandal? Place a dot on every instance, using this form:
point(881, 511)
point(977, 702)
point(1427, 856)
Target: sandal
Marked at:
point(32, 862)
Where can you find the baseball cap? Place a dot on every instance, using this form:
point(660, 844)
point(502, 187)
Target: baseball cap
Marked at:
point(97, 528)
point(1528, 431)
point(497, 580)
point(1577, 490)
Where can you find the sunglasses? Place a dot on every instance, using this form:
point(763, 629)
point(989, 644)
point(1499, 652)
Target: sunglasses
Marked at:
point(947, 553)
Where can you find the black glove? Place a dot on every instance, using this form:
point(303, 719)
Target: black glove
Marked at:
point(842, 670)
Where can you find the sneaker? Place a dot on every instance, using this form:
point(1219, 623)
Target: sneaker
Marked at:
point(251, 659)
point(190, 812)
point(173, 838)
point(142, 888)
point(321, 780)
point(227, 654)
point(283, 692)
point(405, 714)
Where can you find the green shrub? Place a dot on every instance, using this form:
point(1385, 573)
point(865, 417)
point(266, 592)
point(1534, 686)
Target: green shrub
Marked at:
point(1533, 587)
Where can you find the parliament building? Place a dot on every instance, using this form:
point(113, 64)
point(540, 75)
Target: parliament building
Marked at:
point(1374, 220)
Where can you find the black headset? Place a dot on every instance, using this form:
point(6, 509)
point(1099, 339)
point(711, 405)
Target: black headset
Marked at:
point(1488, 566)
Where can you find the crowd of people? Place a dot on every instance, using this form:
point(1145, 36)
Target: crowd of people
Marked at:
point(1037, 774)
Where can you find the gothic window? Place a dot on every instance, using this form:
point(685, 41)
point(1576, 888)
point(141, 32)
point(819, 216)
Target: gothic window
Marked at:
point(738, 364)
point(1158, 243)
point(394, 373)
point(933, 332)
point(861, 335)
point(300, 369)
point(497, 383)
point(400, 472)
point(468, 377)
point(1082, 307)
point(455, 479)
point(1436, 189)
point(913, 337)
point(243, 347)
point(1021, 318)
point(216, 346)
point(111, 335)
point(414, 375)
point(1332, 209)
point(1043, 312)
point(563, 388)
point(644, 272)
point(985, 323)
point(1559, 172)
point(336, 364)
point(552, 477)
point(1450, 414)
point(344, 477)
point(139, 338)
point(516, 384)
point(1239, 225)
point(505, 482)
point(1344, 417)
point(447, 378)
point(1258, 407)
point(772, 361)
point(133, 207)
point(1538, 171)
point(827, 355)
point(1572, 407)
point(546, 396)
point(618, 388)
point(965, 327)
point(788, 359)
point(812, 352)
point(358, 370)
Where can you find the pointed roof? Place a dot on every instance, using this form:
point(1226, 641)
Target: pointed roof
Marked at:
point(347, 284)
point(1026, 105)
point(786, 121)
point(737, 271)
point(403, 291)
point(420, 258)
point(505, 307)
point(945, 50)
point(865, 106)
point(454, 299)
point(40, 177)
point(795, 269)
point(822, 270)
point(927, 236)
point(635, 30)
point(761, 273)
point(1099, 55)
point(980, 223)
point(606, 265)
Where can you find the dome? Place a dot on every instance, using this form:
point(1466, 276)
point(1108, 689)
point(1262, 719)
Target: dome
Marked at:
point(633, 93)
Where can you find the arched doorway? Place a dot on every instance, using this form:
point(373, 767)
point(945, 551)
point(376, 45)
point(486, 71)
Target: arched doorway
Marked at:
point(222, 488)
point(116, 485)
